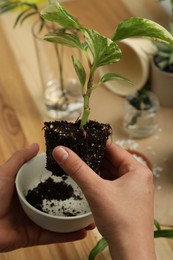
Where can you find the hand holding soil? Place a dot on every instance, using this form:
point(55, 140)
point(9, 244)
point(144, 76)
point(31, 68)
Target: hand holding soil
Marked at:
point(121, 201)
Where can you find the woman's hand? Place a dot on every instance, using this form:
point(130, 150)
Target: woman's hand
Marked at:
point(121, 199)
point(16, 230)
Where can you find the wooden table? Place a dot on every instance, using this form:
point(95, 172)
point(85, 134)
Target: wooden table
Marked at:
point(22, 114)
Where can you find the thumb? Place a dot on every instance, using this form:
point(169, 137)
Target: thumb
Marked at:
point(13, 164)
point(76, 168)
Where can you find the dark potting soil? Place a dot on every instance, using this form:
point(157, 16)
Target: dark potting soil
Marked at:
point(50, 190)
point(88, 142)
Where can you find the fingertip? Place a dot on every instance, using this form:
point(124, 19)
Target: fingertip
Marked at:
point(33, 147)
point(75, 167)
point(13, 164)
point(60, 154)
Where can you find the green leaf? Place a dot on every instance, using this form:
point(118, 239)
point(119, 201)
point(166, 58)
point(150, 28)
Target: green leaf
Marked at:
point(70, 40)
point(156, 224)
point(171, 25)
point(9, 5)
point(79, 70)
point(171, 58)
point(20, 16)
point(163, 47)
point(163, 54)
point(23, 16)
point(6, 7)
point(27, 16)
point(136, 26)
point(100, 246)
point(28, 9)
point(168, 233)
point(112, 76)
point(56, 13)
point(103, 49)
point(162, 64)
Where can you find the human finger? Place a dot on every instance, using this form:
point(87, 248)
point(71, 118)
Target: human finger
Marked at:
point(118, 161)
point(72, 164)
point(14, 163)
point(91, 226)
point(48, 237)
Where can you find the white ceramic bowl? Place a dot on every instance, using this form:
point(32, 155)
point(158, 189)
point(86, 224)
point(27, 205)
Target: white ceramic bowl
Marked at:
point(28, 177)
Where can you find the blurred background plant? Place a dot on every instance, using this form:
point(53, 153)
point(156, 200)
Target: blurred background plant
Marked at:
point(60, 103)
point(24, 9)
point(163, 57)
point(102, 243)
point(161, 73)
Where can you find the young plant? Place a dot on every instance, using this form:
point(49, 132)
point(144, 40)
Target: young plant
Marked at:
point(98, 49)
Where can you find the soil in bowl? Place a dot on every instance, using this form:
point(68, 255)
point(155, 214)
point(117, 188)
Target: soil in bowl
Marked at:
point(58, 196)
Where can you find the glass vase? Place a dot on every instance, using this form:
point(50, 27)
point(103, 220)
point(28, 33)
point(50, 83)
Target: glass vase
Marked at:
point(61, 88)
point(139, 123)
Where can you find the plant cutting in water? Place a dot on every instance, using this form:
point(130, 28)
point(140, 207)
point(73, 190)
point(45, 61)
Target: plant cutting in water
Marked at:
point(141, 102)
point(31, 8)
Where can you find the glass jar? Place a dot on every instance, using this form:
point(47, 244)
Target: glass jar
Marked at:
point(62, 94)
point(140, 121)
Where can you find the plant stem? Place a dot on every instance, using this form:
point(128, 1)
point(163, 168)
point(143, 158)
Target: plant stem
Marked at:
point(86, 111)
point(86, 97)
point(60, 68)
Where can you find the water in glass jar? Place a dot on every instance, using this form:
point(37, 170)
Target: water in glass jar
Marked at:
point(141, 123)
point(63, 104)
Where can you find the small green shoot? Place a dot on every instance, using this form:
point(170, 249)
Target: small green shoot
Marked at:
point(100, 246)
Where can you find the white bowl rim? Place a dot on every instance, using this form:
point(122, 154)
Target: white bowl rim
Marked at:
point(22, 197)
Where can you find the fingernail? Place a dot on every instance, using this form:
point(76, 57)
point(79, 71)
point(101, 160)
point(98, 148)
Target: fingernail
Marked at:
point(60, 154)
point(31, 145)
